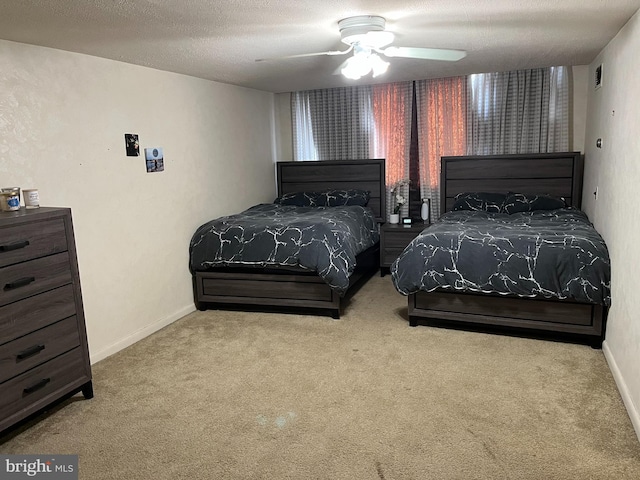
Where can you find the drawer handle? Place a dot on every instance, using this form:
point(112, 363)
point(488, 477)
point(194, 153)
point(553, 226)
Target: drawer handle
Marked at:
point(14, 246)
point(29, 352)
point(21, 282)
point(37, 386)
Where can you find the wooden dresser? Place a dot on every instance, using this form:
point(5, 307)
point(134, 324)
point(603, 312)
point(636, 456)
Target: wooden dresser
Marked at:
point(43, 342)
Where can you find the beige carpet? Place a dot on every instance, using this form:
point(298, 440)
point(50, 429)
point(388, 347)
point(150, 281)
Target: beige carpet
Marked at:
point(231, 395)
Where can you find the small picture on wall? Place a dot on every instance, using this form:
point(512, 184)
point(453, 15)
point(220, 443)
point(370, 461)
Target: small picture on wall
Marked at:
point(131, 142)
point(154, 159)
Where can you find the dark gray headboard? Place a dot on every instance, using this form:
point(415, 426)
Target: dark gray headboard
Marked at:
point(340, 174)
point(558, 174)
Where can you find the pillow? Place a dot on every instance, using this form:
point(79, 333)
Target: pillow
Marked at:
point(522, 202)
point(302, 199)
point(325, 198)
point(338, 198)
point(487, 201)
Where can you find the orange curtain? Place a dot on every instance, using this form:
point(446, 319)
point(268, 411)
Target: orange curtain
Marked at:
point(392, 114)
point(392, 119)
point(441, 105)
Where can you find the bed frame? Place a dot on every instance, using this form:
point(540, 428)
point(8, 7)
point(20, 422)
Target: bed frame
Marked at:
point(284, 289)
point(557, 174)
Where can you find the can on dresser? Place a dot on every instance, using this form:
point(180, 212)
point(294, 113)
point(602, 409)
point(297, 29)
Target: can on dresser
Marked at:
point(10, 199)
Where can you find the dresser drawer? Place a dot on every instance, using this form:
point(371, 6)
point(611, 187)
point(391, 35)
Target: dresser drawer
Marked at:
point(19, 243)
point(31, 350)
point(33, 313)
point(393, 241)
point(398, 240)
point(33, 277)
point(40, 382)
point(390, 254)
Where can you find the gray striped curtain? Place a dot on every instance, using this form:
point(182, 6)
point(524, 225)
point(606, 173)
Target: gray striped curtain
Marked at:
point(524, 111)
point(304, 146)
point(338, 121)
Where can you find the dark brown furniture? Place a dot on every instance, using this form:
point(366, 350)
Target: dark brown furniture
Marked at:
point(43, 343)
point(289, 287)
point(339, 174)
point(558, 174)
point(393, 240)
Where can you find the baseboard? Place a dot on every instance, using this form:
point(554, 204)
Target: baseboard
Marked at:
point(634, 415)
point(140, 334)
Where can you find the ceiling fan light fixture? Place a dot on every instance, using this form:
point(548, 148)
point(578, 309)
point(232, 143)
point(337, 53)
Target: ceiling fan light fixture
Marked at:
point(370, 43)
point(371, 39)
point(378, 66)
point(362, 62)
point(356, 67)
point(365, 30)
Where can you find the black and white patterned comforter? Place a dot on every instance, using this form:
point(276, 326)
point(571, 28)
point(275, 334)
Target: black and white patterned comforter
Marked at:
point(552, 254)
point(325, 240)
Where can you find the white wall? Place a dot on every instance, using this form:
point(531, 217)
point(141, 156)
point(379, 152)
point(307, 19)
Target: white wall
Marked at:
point(284, 131)
point(614, 116)
point(63, 117)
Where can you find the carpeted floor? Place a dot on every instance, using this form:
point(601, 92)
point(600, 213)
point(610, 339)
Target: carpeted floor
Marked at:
point(232, 395)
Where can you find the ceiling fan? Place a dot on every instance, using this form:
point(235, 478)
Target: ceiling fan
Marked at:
point(367, 38)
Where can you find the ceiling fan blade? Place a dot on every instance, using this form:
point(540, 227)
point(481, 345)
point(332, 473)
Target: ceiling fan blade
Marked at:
point(300, 55)
point(425, 53)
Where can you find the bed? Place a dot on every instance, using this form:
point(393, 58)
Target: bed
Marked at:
point(527, 263)
point(271, 281)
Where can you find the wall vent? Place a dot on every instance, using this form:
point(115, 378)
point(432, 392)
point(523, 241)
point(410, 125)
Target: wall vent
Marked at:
point(598, 78)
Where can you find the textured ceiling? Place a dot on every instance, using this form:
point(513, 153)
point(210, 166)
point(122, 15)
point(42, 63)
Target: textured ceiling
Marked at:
point(220, 40)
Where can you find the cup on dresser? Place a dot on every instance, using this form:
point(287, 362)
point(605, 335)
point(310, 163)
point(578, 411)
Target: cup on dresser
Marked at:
point(31, 198)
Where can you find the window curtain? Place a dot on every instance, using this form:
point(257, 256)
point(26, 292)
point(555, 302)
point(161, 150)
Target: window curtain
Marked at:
point(332, 124)
point(523, 111)
point(392, 137)
point(304, 147)
point(442, 115)
point(354, 123)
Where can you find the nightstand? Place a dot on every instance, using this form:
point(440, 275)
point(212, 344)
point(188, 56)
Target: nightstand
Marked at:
point(393, 240)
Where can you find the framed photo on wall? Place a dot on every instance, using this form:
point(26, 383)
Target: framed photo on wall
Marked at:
point(132, 144)
point(154, 159)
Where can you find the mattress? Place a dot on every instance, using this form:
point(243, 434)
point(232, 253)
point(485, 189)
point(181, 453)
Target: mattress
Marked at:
point(544, 253)
point(324, 240)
